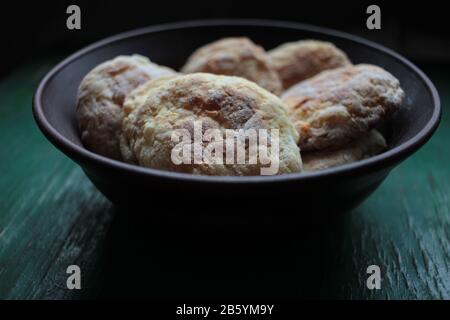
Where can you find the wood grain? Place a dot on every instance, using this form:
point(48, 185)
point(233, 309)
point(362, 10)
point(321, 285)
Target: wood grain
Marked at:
point(51, 216)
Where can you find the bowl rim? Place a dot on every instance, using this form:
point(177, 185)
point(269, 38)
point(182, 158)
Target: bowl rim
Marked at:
point(385, 159)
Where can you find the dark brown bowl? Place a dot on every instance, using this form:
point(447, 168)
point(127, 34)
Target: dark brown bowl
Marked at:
point(332, 190)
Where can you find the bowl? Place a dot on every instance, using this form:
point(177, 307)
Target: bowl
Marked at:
point(156, 191)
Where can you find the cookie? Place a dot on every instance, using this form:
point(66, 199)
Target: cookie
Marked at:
point(337, 106)
point(367, 146)
point(101, 95)
point(195, 103)
point(235, 57)
point(297, 61)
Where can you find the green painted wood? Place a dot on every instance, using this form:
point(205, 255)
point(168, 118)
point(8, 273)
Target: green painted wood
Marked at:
point(51, 216)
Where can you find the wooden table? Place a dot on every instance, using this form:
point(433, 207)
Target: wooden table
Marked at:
point(51, 216)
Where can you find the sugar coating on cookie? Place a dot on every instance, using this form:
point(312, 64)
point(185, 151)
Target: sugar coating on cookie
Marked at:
point(161, 107)
point(101, 95)
point(235, 57)
point(367, 146)
point(300, 60)
point(337, 106)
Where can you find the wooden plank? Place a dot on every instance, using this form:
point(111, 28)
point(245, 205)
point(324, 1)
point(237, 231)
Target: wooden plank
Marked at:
point(46, 205)
point(51, 216)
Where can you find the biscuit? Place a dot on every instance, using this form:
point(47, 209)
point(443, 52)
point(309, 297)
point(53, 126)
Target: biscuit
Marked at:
point(162, 106)
point(337, 106)
point(101, 95)
point(367, 146)
point(297, 61)
point(235, 57)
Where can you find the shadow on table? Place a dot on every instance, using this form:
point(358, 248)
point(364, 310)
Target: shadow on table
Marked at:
point(185, 253)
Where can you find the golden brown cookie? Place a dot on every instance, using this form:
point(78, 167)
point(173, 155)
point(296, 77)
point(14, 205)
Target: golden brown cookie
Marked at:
point(235, 57)
point(179, 104)
point(337, 106)
point(297, 61)
point(101, 95)
point(367, 146)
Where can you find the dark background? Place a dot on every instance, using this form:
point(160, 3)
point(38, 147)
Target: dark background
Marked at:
point(419, 30)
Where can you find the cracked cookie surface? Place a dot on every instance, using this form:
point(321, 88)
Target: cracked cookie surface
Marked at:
point(219, 102)
point(235, 57)
point(367, 146)
point(101, 95)
point(337, 106)
point(300, 60)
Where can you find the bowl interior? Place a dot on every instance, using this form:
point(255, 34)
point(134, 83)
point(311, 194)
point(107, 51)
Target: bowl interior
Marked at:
point(171, 46)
